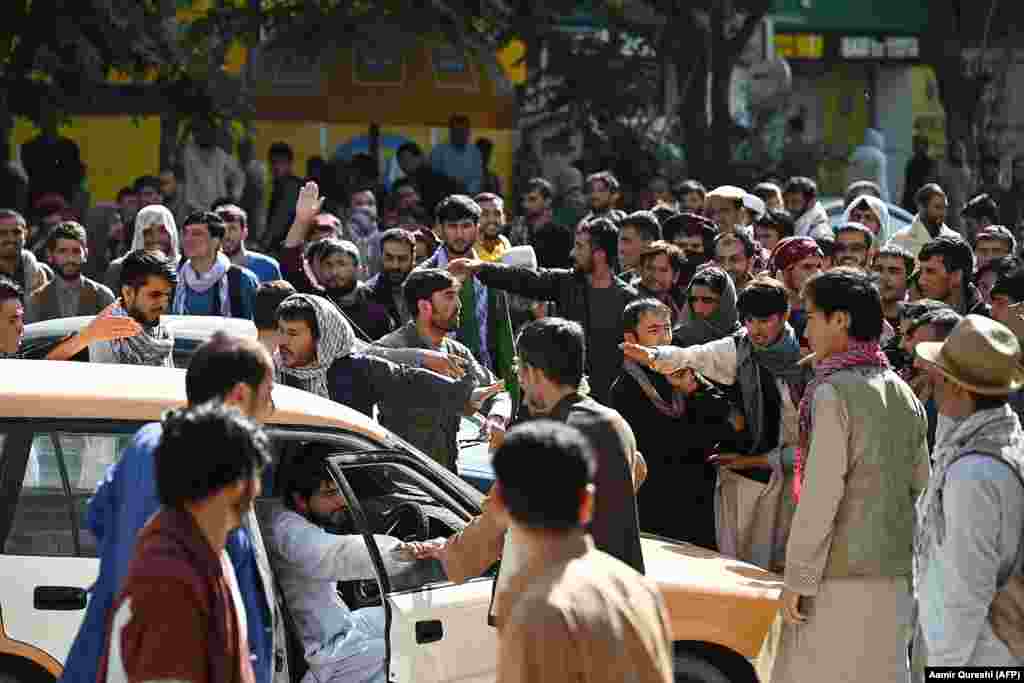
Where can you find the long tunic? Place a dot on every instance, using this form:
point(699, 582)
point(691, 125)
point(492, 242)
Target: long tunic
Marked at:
point(858, 627)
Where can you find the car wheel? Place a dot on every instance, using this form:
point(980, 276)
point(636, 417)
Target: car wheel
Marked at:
point(693, 669)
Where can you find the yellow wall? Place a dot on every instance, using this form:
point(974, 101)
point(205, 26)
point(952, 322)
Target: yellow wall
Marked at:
point(929, 116)
point(115, 149)
point(118, 149)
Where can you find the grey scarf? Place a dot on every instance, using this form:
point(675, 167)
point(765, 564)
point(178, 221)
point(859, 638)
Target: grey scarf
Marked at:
point(152, 346)
point(780, 359)
point(692, 329)
point(997, 432)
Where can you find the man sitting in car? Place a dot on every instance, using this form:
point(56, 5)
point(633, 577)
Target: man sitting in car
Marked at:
point(314, 545)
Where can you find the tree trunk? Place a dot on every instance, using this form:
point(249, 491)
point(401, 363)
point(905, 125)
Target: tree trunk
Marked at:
point(170, 124)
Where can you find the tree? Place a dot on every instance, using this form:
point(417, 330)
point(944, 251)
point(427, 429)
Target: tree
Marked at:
point(648, 44)
point(957, 45)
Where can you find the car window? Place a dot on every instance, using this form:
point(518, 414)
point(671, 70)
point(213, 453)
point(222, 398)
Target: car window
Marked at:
point(400, 503)
point(61, 474)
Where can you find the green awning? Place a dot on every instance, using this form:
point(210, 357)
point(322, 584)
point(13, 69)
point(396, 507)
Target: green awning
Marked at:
point(866, 17)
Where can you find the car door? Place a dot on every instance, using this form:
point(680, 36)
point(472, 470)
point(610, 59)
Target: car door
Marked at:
point(49, 557)
point(438, 630)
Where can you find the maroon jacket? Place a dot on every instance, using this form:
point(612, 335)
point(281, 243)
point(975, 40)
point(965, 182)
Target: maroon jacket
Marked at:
point(181, 621)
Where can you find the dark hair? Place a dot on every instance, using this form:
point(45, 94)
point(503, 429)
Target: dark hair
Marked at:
point(861, 187)
point(663, 213)
point(457, 207)
point(676, 257)
point(146, 181)
point(399, 235)
point(490, 198)
point(639, 307)
point(423, 283)
point(869, 237)
point(896, 251)
point(764, 191)
point(556, 347)
point(10, 290)
point(741, 236)
point(763, 297)
point(212, 221)
point(298, 309)
point(912, 310)
point(303, 474)
point(268, 297)
point(942, 319)
point(926, 192)
point(124, 192)
point(411, 148)
point(690, 186)
point(691, 225)
point(330, 246)
point(604, 236)
point(645, 223)
point(956, 254)
point(1000, 266)
point(11, 213)
point(779, 220)
point(803, 185)
point(458, 120)
point(204, 449)
point(67, 230)
point(850, 290)
point(827, 244)
point(1010, 284)
point(712, 278)
point(553, 501)
point(281, 149)
point(140, 265)
point(222, 362)
point(606, 177)
point(402, 182)
point(542, 186)
point(982, 206)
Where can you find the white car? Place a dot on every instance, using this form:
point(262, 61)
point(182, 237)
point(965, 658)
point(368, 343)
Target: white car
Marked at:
point(72, 421)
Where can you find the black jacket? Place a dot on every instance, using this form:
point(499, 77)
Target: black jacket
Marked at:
point(569, 290)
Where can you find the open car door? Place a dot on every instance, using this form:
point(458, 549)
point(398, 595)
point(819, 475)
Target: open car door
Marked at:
point(437, 630)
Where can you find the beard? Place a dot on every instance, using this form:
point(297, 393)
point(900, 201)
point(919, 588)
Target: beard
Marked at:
point(140, 317)
point(69, 271)
point(341, 522)
point(396, 277)
point(459, 248)
point(334, 292)
point(231, 250)
point(450, 324)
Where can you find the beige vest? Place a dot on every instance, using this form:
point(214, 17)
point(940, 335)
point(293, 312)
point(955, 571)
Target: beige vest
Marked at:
point(887, 433)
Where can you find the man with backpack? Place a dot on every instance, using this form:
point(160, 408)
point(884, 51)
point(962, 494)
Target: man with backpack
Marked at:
point(208, 283)
point(967, 549)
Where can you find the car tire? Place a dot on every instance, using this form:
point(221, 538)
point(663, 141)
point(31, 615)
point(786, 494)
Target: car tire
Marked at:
point(690, 668)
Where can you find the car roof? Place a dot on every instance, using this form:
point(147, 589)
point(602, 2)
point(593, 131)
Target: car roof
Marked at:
point(72, 390)
point(195, 327)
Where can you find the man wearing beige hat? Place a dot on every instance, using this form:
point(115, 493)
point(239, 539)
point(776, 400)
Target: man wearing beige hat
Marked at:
point(969, 519)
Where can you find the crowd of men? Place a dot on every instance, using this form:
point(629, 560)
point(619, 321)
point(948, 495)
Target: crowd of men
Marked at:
point(838, 404)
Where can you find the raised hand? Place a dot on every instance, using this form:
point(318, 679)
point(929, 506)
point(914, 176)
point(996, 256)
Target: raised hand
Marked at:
point(644, 355)
point(309, 203)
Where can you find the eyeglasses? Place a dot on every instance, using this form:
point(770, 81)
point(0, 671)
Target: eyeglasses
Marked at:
point(709, 300)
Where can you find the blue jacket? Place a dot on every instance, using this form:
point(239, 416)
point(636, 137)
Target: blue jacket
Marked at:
point(124, 501)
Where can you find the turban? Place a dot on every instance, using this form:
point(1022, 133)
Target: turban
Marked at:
point(791, 250)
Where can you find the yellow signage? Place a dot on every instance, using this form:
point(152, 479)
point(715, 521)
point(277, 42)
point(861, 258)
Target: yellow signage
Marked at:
point(800, 45)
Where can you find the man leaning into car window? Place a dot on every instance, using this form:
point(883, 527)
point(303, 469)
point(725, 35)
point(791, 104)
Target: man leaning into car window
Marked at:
point(314, 546)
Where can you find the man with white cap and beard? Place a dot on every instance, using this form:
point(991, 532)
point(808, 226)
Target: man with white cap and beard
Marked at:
point(155, 230)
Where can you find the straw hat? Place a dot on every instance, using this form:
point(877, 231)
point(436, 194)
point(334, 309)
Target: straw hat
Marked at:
point(980, 354)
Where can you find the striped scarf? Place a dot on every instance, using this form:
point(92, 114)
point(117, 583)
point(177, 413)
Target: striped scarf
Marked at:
point(860, 354)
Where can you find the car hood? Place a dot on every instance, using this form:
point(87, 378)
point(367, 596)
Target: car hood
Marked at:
point(710, 597)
